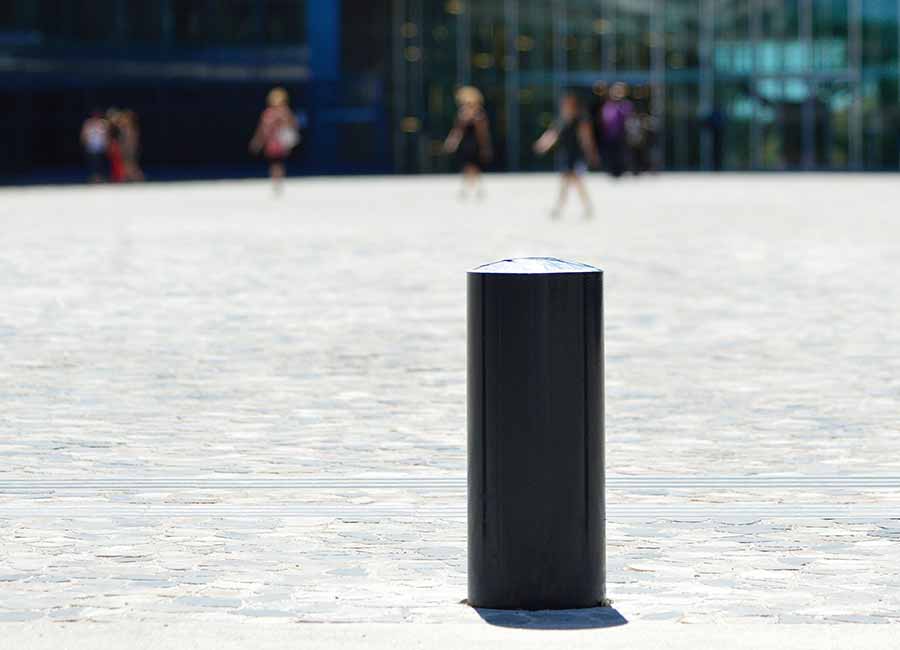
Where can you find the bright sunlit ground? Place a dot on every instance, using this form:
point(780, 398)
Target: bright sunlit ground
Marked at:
point(218, 405)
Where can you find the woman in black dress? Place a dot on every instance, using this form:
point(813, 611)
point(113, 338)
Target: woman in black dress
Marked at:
point(470, 139)
point(571, 134)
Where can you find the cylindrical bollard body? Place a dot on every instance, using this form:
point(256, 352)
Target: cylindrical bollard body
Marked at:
point(536, 435)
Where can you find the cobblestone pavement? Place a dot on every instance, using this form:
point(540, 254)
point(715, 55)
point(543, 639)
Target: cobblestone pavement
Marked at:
point(214, 404)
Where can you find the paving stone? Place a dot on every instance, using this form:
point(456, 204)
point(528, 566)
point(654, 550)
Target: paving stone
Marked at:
point(209, 331)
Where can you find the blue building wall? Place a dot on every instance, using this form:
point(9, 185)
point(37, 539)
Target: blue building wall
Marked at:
point(197, 76)
point(324, 40)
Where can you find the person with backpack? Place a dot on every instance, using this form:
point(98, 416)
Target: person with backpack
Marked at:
point(276, 135)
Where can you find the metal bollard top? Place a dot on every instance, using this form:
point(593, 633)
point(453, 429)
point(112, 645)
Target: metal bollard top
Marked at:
point(534, 266)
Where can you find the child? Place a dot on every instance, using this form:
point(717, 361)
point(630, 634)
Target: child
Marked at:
point(572, 134)
point(276, 135)
point(470, 138)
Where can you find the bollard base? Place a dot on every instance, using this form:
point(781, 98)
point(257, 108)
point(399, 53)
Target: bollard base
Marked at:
point(605, 603)
point(538, 605)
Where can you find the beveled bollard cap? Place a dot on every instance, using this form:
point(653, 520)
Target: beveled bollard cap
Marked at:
point(534, 266)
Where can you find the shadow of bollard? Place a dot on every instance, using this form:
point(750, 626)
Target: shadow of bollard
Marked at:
point(590, 618)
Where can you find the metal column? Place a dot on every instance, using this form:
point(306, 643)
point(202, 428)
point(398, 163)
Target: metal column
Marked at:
point(417, 77)
point(559, 48)
point(609, 37)
point(755, 127)
point(854, 17)
point(809, 106)
point(658, 78)
point(323, 27)
point(400, 108)
point(464, 44)
point(120, 21)
point(511, 20)
point(707, 80)
point(167, 23)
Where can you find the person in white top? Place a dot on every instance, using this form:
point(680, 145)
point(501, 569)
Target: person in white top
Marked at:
point(95, 140)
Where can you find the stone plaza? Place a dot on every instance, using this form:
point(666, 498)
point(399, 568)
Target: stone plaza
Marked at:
point(221, 406)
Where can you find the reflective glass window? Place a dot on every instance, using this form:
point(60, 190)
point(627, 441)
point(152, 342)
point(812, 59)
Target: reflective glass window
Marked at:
point(209, 22)
point(285, 21)
point(632, 29)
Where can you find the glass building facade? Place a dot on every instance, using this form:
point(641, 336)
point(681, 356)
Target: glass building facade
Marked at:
point(197, 73)
point(794, 84)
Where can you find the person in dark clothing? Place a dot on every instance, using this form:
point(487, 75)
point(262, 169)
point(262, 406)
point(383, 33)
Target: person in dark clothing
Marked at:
point(114, 149)
point(572, 136)
point(645, 153)
point(601, 94)
point(470, 139)
point(715, 122)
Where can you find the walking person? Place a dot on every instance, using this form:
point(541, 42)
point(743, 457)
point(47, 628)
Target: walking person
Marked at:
point(714, 122)
point(94, 141)
point(600, 92)
point(114, 149)
point(276, 135)
point(572, 135)
point(614, 117)
point(129, 143)
point(470, 139)
point(635, 140)
point(648, 151)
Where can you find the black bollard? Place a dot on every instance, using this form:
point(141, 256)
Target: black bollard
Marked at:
point(537, 515)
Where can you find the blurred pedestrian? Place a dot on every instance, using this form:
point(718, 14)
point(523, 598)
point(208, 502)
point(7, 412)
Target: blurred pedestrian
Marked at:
point(129, 143)
point(94, 141)
point(600, 93)
point(649, 151)
point(613, 119)
point(634, 140)
point(114, 149)
point(276, 135)
point(470, 139)
point(715, 123)
point(572, 136)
